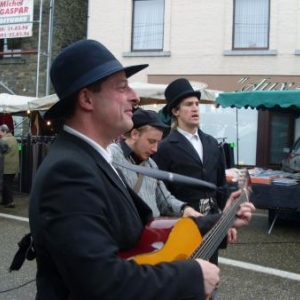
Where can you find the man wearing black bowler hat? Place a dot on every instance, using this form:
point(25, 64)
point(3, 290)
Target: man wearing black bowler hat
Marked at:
point(81, 213)
point(187, 150)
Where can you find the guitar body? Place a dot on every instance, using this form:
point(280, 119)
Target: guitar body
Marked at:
point(165, 240)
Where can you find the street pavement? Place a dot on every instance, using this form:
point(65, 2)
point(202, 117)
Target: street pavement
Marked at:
point(259, 266)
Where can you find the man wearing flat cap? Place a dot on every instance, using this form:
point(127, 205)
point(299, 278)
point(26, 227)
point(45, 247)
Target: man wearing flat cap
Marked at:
point(137, 147)
point(81, 214)
point(187, 150)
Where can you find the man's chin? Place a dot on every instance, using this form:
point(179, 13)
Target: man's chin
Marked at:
point(127, 125)
point(195, 123)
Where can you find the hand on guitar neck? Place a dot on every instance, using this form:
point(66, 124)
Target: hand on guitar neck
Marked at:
point(240, 199)
point(244, 214)
point(237, 213)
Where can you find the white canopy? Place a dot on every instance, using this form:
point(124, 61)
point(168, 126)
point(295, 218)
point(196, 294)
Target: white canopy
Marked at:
point(43, 103)
point(15, 103)
point(149, 93)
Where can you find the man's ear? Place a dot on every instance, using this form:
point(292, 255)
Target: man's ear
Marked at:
point(85, 100)
point(134, 134)
point(175, 112)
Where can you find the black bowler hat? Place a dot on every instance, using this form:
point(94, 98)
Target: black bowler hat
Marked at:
point(143, 117)
point(79, 65)
point(177, 91)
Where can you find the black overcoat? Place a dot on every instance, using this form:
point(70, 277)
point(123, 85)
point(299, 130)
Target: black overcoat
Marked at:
point(176, 154)
point(81, 216)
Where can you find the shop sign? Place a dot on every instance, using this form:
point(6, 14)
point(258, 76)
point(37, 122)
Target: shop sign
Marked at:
point(16, 17)
point(265, 84)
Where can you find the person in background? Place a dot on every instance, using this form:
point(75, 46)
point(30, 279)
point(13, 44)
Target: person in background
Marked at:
point(10, 166)
point(82, 216)
point(137, 146)
point(189, 151)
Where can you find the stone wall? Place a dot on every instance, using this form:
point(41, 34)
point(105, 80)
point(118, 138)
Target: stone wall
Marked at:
point(70, 24)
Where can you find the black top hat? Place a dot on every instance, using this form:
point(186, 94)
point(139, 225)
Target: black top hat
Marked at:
point(177, 91)
point(143, 117)
point(79, 65)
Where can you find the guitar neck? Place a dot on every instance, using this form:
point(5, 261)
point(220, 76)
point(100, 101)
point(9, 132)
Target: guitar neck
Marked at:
point(213, 238)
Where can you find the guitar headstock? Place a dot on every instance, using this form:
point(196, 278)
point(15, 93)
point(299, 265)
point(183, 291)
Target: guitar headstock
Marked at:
point(244, 180)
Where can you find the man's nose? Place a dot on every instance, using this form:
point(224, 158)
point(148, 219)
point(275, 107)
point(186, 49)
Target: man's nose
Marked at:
point(154, 147)
point(134, 97)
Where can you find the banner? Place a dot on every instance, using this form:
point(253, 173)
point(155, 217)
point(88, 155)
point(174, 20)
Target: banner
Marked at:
point(16, 17)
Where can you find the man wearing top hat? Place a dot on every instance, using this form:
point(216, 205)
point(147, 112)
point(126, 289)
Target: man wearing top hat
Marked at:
point(137, 147)
point(81, 213)
point(187, 150)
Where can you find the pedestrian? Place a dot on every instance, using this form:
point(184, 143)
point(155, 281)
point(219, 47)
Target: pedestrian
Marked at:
point(10, 166)
point(81, 214)
point(137, 147)
point(189, 151)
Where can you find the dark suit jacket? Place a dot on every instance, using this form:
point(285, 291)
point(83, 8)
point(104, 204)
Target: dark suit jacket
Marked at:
point(176, 154)
point(81, 216)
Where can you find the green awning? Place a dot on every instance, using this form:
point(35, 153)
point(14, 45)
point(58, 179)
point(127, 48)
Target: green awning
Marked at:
point(288, 99)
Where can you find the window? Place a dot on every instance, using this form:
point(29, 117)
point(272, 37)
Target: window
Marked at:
point(148, 25)
point(281, 134)
point(10, 45)
point(275, 132)
point(251, 23)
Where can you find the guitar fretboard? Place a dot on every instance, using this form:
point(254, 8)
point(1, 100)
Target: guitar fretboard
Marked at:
point(213, 238)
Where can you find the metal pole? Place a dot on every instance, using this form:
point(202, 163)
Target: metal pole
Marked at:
point(49, 51)
point(39, 50)
point(237, 135)
point(7, 88)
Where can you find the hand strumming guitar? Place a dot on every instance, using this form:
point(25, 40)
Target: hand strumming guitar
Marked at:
point(190, 212)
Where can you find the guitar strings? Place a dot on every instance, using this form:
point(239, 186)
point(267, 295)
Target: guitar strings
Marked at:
point(213, 238)
point(210, 243)
point(207, 246)
point(222, 227)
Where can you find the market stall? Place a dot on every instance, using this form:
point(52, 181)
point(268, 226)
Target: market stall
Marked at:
point(277, 196)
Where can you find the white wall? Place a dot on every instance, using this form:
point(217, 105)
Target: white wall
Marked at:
point(197, 33)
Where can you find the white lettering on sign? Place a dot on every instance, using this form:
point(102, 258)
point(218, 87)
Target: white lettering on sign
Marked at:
point(265, 84)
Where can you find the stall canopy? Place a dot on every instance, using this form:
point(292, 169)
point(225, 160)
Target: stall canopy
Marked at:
point(151, 93)
point(13, 104)
point(42, 103)
point(287, 99)
point(148, 92)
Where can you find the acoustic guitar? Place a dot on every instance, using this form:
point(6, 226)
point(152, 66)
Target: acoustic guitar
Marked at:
point(169, 239)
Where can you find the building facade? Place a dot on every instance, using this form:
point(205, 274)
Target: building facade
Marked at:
point(230, 45)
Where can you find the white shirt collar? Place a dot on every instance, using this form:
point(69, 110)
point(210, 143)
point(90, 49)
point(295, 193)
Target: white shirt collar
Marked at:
point(188, 135)
point(194, 139)
point(104, 152)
